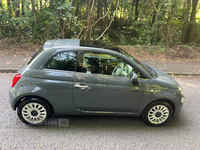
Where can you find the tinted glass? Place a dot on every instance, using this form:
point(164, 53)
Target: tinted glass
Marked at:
point(63, 61)
point(100, 63)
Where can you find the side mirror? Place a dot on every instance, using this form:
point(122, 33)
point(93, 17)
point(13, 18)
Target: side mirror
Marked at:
point(134, 79)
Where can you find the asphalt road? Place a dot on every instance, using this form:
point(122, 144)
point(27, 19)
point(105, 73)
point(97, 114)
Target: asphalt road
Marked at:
point(104, 132)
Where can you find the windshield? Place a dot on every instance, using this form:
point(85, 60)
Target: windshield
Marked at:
point(136, 61)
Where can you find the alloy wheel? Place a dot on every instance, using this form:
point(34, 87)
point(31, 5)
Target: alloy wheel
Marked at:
point(34, 113)
point(158, 114)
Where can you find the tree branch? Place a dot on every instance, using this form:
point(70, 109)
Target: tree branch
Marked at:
point(104, 15)
point(89, 25)
point(110, 22)
point(154, 6)
point(89, 20)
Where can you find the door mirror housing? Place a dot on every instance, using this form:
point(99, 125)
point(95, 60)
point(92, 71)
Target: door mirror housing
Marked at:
point(134, 79)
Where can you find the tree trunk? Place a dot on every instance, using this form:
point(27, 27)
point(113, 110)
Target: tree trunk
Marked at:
point(8, 3)
point(98, 8)
point(153, 18)
point(77, 9)
point(91, 19)
point(23, 12)
point(9, 8)
point(132, 4)
point(34, 12)
point(185, 28)
point(61, 23)
point(88, 18)
point(120, 17)
point(193, 21)
point(1, 6)
point(136, 10)
point(168, 25)
point(105, 10)
point(40, 5)
point(17, 8)
point(115, 18)
point(155, 13)
point(101, 13)
point(157, 9)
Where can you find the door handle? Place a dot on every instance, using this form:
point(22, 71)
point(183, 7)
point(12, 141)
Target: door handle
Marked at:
point(81, 86)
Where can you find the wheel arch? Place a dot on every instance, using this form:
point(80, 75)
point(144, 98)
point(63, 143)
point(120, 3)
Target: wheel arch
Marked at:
point(169, 101)
point(33, 97)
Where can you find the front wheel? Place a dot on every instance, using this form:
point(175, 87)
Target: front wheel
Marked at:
point(157, 113)
point(33, 112)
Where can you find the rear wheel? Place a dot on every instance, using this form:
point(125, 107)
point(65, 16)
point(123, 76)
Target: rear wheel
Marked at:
point(33, 112)
point(157, 113)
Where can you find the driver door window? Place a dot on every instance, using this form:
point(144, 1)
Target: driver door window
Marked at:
point(101, 63)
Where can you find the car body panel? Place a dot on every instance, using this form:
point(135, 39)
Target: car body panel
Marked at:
point(53, 86)
point(116, 94)
point(61, 43)
point(152, 91)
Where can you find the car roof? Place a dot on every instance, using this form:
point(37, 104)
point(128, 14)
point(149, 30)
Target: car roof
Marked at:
point(65, 43)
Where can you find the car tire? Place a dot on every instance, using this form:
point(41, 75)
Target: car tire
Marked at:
point(33, 111)
point(157, 113)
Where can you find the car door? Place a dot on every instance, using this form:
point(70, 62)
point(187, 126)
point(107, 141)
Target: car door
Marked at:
point(102, 84)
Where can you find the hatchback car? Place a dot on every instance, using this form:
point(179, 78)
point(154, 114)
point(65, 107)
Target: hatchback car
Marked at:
point(75, 77)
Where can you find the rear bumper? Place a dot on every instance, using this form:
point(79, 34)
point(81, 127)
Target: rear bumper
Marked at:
point(11, 98)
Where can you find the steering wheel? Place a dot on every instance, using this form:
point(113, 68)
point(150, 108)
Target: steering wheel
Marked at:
point(126, 70)
point(118, 69)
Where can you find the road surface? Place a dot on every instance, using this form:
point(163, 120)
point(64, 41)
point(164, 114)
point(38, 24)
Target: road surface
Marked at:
point(104, 132)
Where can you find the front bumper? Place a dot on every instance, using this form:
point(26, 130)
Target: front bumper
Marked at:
point(179, 106)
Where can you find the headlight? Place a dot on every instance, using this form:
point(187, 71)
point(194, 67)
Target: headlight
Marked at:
point(179, 88)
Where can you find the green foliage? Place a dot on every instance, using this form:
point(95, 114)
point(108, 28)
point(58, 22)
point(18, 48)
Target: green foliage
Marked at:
point(145, 33)
point(65, 19)
point(162, 49)
point(139, 47)
point(150, 49)
point(198, 32)
point(24, 27)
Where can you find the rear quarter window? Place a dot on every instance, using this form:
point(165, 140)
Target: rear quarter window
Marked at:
point(63, 61)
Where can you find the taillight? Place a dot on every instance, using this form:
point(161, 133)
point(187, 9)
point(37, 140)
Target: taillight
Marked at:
point(15, 79)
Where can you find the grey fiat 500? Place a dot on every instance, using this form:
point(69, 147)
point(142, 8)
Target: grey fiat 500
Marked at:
point(75, 77)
